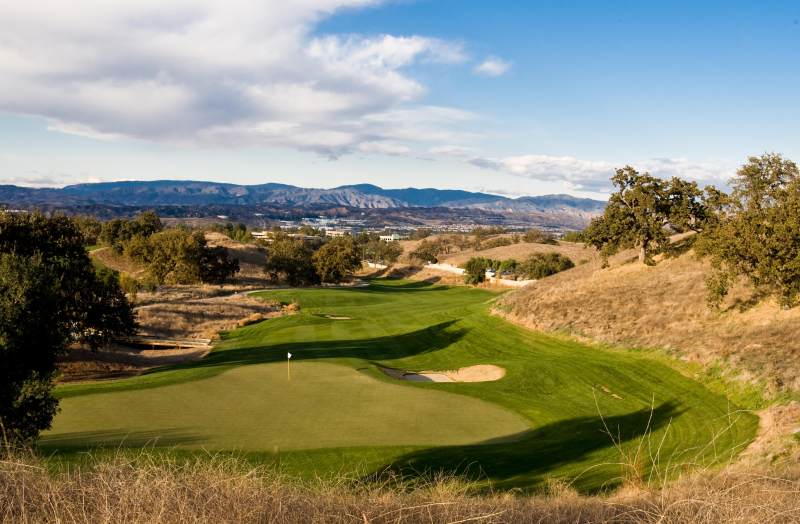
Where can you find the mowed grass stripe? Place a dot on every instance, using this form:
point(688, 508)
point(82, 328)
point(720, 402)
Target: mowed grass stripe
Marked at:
point(556, 385)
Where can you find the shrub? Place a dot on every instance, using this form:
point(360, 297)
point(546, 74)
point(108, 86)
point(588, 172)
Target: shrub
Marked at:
point(475, 271)
point(508, 265)
point(541, 265)
point(537, 236)
point(573, 236)
point(496, 242)
point(130, 285)
point(420, 233)
point(427, 251)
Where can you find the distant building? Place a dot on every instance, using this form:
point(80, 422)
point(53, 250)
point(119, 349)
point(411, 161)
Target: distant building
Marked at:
point(332, 233)
point(223, 217)
point(390, 238)
point(259, 234)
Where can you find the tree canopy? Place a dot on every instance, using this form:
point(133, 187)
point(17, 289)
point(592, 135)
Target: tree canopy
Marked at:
point(117, 232)
point(337, 259)
point(292, 260)
point(640, 212)
point(50, 297)
point(757, 230)
point(176, 256)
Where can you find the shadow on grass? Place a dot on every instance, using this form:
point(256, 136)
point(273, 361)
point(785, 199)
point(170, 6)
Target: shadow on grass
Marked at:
point(531, 456)
point(132, 438)
point(427, 340)
point(388, 285)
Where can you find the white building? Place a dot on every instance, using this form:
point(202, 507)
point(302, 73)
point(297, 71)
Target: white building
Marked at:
point(332, 233)
point(390, 238)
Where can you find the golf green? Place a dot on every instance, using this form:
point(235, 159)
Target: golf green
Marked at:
point(550, 415)
point(257, 407)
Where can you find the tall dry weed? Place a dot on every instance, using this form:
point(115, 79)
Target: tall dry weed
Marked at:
point(156, 489)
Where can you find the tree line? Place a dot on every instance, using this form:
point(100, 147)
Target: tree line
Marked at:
point(535, 266)
point(303, 263)
point(753, 232)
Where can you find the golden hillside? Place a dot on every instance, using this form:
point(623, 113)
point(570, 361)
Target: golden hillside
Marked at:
point(664, 306)
point(518, 252)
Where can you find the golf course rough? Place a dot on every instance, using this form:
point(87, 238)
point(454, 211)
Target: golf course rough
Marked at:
point(542, 419)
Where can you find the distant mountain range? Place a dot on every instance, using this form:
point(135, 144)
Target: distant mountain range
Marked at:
point(171, 192)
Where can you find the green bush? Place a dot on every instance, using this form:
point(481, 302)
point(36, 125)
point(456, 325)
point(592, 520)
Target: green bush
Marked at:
point(537, 236)
point(496, 242)
point(475, 271)
point(541, 265)
point(573, 236)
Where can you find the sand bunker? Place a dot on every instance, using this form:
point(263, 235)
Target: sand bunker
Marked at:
point(333, 317)
point(481, 373)
point(426, 377)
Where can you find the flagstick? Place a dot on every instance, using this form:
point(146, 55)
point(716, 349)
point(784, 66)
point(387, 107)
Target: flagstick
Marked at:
point(288, 369)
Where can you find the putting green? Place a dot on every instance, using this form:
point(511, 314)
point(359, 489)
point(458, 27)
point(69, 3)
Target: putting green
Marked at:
point(256, 407)
point(548, 416)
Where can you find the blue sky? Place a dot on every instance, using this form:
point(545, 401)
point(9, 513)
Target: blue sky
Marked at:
point(518, 98)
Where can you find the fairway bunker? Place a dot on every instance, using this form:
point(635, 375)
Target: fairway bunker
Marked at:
point(480, 373)
point(333, 317)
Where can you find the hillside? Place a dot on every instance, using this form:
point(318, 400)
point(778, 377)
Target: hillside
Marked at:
point(749, 340)
point(518, 252)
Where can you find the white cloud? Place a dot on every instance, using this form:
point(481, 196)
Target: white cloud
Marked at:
point(457, 151)
point(219, 74)
point(48, 180)
point(33, 181)
point(383, 148)
point(513, 191)
point(588, 175)
point(493, 66)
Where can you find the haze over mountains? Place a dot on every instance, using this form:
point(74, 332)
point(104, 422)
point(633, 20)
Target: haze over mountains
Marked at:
point(170, 192)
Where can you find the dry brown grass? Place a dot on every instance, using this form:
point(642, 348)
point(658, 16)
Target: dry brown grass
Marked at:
point(159, 489)
point(521, 251)
point(251, 261)
point(203, 317)
point(116, 262)
point(426, 274)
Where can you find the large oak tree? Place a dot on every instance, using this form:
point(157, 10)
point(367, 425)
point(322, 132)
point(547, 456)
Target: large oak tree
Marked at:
point(50, 297)
point(756, 232)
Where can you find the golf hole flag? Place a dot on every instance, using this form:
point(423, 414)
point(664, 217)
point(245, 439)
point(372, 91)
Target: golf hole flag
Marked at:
point(288, 368)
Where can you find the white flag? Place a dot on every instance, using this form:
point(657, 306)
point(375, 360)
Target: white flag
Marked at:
point(289, 355)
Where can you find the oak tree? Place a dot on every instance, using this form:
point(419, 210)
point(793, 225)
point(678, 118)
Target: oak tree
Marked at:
point(756, 233)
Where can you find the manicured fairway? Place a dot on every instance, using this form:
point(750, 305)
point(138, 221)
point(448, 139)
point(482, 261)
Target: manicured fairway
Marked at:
point(542, 419)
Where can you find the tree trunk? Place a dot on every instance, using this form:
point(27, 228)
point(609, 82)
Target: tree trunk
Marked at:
point(642, 253)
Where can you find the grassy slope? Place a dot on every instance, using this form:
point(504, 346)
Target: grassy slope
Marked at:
point(415, 326)
point(665, 306)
